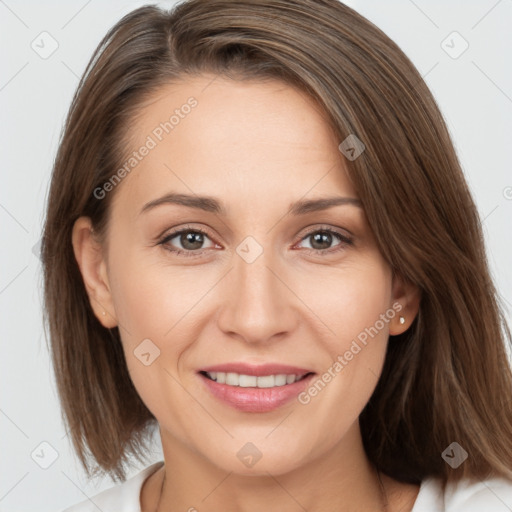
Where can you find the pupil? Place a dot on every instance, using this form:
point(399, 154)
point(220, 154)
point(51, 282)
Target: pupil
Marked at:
point(322, 237)
point(192, 240)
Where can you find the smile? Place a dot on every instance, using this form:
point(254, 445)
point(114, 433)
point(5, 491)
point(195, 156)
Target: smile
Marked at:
point(247, 381)
point(251, 393)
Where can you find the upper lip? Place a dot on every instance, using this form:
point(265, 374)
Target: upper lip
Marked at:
point(257, 369)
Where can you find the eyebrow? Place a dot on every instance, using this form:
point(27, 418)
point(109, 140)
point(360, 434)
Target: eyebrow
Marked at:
point(212, 205)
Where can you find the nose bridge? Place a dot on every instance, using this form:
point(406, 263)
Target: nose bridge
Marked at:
point(259, 305)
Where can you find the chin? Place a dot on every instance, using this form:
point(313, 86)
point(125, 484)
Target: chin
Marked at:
point(258, 458)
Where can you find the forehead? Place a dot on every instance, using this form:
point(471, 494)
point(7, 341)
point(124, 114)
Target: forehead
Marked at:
point(214, 136)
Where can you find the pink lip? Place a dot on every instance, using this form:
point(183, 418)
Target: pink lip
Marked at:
point(257, 370)
point(253, 399)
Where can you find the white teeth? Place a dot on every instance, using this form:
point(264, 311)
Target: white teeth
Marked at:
point(251, 381)
point(280, 380)
point(231, 379)
point(267, 381)
point(246, 381)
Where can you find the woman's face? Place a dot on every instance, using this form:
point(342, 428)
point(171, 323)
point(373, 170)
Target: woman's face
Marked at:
point(254, 284)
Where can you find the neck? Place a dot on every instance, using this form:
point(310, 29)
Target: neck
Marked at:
point(341, 479)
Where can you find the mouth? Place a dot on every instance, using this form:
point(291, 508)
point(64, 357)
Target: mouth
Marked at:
point(258, 389)
point(254, 381)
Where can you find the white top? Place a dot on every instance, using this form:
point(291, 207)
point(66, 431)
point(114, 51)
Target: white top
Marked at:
point(491, 495)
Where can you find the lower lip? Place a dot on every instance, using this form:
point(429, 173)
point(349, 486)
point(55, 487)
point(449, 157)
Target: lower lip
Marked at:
point(256, 399)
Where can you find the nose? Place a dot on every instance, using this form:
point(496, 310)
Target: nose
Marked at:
point(260, 304)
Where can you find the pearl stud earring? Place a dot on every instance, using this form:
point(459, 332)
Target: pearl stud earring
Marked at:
point(402, 320)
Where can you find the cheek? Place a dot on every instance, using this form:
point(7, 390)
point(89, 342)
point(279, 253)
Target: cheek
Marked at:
point(155, 302)
point(345, 302)
point(363, 326)
point(151, 312)
point(148, 298)
point(352, 304)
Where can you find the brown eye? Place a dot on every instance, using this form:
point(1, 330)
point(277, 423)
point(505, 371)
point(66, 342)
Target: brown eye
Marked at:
point(321, 241)
point(189, 241)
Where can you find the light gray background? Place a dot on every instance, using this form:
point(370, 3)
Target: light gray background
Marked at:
point(474, 92)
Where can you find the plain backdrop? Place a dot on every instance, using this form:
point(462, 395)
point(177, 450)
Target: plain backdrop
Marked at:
point(474, 91)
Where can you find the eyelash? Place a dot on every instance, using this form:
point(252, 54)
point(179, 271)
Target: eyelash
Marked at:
point(325, 252)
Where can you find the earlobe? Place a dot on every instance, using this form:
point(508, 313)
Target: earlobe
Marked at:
point(406, 303)
point(91, 262)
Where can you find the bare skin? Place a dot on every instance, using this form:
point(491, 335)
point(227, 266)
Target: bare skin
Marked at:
point(401, 496)
point(256, 147)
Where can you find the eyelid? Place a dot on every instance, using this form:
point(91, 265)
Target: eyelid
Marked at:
point(185, 228)
point(313, 228)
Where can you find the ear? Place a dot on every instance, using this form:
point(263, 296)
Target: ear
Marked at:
point(406, 301)
point(91, 261)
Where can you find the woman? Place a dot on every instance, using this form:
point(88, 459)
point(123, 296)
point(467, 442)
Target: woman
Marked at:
point(260, 240)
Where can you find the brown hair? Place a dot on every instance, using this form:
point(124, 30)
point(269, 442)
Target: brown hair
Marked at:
point(446, 377)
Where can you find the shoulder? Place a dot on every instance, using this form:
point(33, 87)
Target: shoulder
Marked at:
point(123, 497)
point(467, 495)
point(491, 495)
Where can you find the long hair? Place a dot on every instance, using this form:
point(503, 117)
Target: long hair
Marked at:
point(444, 379)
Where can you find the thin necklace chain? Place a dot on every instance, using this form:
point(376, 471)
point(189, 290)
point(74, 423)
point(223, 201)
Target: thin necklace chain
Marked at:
point(382, 493)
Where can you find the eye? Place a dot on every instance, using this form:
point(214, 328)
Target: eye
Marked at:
point(321, 240)
point(190, 239)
